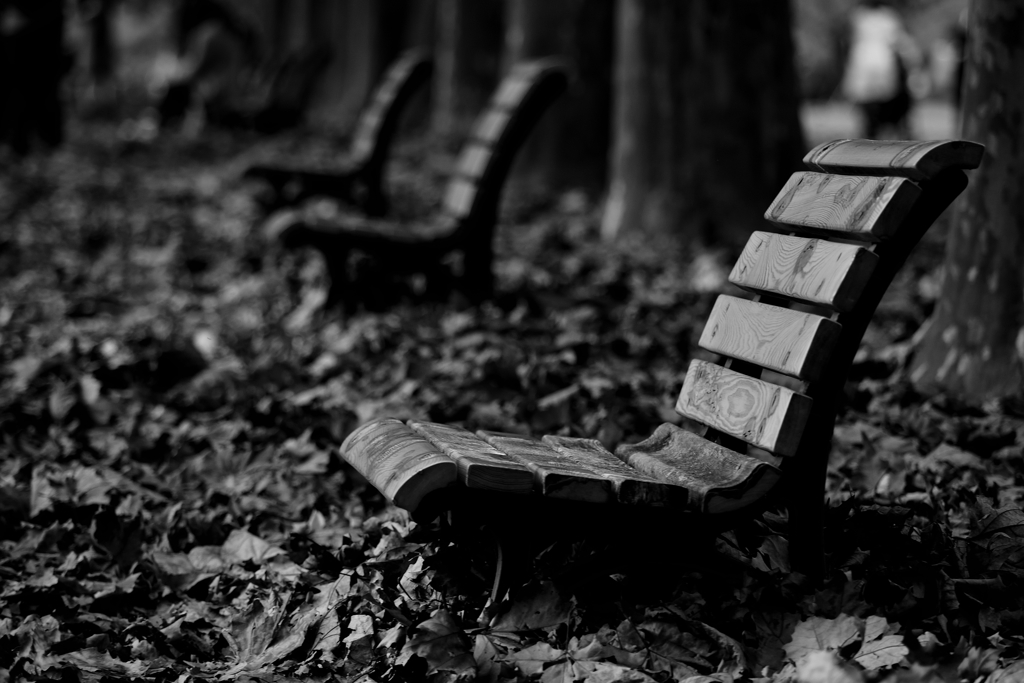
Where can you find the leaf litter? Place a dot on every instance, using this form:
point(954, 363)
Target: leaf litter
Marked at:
point(172, 506)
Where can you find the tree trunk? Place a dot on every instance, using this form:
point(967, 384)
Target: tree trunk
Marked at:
point(364, 37)
point(705, 123)
point(466, 62)
point(570, 145)
point(973, 346)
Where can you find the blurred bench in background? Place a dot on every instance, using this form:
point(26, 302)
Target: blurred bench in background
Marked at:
point(465, 224)
point(358, 179)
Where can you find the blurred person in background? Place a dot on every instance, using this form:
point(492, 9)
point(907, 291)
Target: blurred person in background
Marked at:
point(32, 63)
point(97, 16)
point(882, 54)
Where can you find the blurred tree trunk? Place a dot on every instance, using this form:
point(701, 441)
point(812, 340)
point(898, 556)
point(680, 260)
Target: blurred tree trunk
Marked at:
point(101, 43)
point(705, 123)
point(570, 145)
point(467, 59)
point(973, 346)
point(364, 38)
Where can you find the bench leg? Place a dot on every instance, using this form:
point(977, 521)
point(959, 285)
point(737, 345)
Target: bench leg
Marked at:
point(805, 477)
point(340, 291)
point(478, 269)
point(374, 203)
point(513, 555)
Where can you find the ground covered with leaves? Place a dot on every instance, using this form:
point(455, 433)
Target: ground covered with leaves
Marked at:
point(172, 505)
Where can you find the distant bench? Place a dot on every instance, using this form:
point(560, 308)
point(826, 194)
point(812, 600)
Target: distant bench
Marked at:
point(839, 234)
point(469, 212)
point(357, 179)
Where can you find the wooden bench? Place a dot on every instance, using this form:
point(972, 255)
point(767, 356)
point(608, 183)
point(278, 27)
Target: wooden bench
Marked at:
point(838, 235)
point(465, 224)
point(359, 178)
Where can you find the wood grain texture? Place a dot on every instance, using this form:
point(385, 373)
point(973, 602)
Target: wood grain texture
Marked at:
point(762, 414)
point(459, 196)
point(719, 480)
point(556, 475)
point(473, 160)
point(631, 486)
point(813, 270)
point(481, 465)
point(864, 207)
point(400, 463)
point(916, 159)
point(790, 342)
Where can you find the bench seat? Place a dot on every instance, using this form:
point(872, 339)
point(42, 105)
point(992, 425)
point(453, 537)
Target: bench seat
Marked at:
point(837, 236)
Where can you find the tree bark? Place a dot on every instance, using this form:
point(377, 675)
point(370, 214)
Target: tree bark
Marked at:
point(467, 60)
point(973, 346)
point(705, 123)
point(570, 145)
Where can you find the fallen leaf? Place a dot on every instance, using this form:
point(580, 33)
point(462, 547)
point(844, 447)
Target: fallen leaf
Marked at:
point(818, 633)
point(444, 646)
point(819, 666)
point(360, 640)
point(532, 660)
point(880, 648)
point(1010, 674)
point(540, 606)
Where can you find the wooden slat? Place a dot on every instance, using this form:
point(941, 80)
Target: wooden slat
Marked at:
point(790, 342)
point(719, 480)
point(473, 161)
point(762, 414)
point(513, 89)
point(631, 487)
point(396, 74)
point(481, 465)
point(364, 138)
point(556, 476)
point(458, 199)
point(368, 127)
point(492, 124)
point(813, 270)
point(915, 159)
point(863, 207)
point(400, 463)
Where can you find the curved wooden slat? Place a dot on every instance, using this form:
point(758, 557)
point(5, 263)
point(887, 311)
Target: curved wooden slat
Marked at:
point(719, 480)
point(400, 463)
point(481, 465)
point(765, 415)
point(402, 78)
point(865, 207)
point(473, 160)
point(459, 196)
point(513, 89)
point(790, 342)
point(813, 270)
point(556, 476)
point(631, 486)
point(920, 160)
point(491, 125)
point(524, 95)
point(365, 136)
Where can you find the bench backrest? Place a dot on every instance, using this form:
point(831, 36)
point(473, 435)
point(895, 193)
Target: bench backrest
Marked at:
point(840, 233)
point(474, 189)
point(375, 129)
